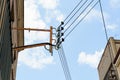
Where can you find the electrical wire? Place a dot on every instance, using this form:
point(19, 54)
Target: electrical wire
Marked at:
point(76, 12)
point(82, 19)
point(103, 19)
point(62, 22)
point(104, 25)
point(64, 63)
point(73, 10)
point(65, 68)
point(79, 15)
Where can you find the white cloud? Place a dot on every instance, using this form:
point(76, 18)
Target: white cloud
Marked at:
point(33, 20)
point(111, 27)
point(49, 4)
point(32, 15)
point(34, 58)
point(90, 59)
point(60, 18)
point(94, 14)
point(115, 3)
point(54, 15)
point(59, 15)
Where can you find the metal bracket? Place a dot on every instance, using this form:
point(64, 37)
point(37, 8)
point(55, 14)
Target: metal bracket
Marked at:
point(37, 45)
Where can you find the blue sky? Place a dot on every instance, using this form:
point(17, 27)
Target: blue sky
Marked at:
point(83, 47)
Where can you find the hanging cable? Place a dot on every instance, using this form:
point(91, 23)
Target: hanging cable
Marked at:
point(76, 12)
point(73, 10)
point(64, 63)
point(82, 19)
point(104, 25)
point(79, 15)
point(103, 19)
point(65, 69)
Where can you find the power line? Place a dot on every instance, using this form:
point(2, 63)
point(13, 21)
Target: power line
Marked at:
point(104, 25)
point(73, 10)
point(82, 19)
point(62, 22)
point(103, 19)
point(60, 53)
point(76, 12)
point(64, 63)
point(70, 13)
point(79, 15)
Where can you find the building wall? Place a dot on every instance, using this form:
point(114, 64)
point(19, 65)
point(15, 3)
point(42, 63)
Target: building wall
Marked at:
point(103, 68)
point(117, 62)
point(5, 40)
point(107, 64)
point(118, 68)
point(17, 16)
point(11, 15)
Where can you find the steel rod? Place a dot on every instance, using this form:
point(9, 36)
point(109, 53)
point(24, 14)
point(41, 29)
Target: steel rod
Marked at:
point(31, 29)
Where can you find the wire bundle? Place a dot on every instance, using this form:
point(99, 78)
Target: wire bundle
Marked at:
point(78, 14)
point(86, 6)
point(64, 63)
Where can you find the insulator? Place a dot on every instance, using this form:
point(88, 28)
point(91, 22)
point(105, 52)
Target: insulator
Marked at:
point(62, 28)
point(63, 39)
point(62, 34)
point(62, 22)
point(58, 35)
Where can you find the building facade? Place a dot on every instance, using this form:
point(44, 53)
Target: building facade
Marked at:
point(11, 16)
point(5, 40)
point(109, 66)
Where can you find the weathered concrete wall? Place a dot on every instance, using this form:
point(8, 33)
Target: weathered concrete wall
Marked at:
point(108, 57)
point(5, 40)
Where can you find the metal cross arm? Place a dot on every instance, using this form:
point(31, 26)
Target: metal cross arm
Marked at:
point(31, 46)
point(32, 29)
point(40, 44)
